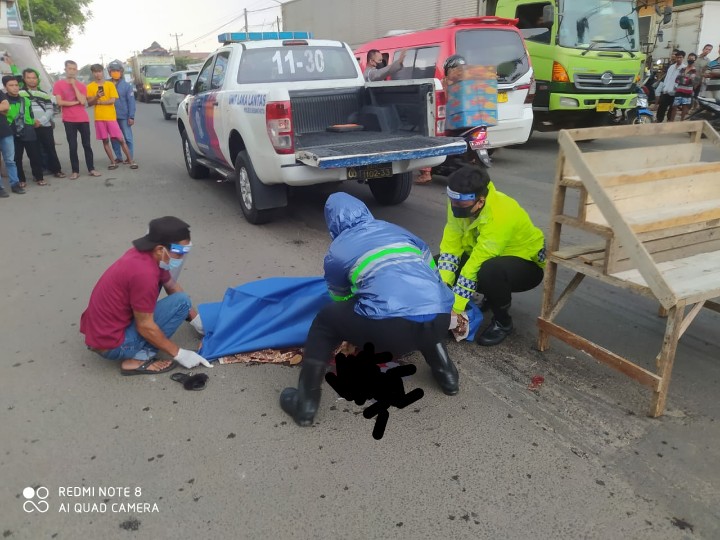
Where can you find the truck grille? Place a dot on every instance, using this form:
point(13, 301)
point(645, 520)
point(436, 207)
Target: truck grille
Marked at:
point(605, 81)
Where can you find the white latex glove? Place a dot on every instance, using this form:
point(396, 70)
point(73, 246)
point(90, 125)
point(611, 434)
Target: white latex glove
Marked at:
point(190, 359)
point(453, 321)
point(197, 324)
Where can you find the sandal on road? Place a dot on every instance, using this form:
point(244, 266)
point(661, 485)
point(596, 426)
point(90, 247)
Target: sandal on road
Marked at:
point(59, 175)
point(191, 382)
point(94, 173)
point(74, 176)
point(143, 369)
point(42, 183)
point(113, 166)
point(133, 165)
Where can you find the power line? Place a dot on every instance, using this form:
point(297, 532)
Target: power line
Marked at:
point(242, 15)
point(214, 30)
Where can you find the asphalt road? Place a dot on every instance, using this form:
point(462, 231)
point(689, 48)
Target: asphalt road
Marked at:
point(577, 458)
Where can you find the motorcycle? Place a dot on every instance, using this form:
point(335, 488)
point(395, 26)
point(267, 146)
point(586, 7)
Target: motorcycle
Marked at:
point(641, 114)
point(708, 109)
point(478, 152)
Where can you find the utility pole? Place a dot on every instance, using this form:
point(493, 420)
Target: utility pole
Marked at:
point(247, 28)
point(177, 42)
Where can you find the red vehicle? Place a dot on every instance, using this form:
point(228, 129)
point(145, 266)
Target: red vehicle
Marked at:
point(481, 41)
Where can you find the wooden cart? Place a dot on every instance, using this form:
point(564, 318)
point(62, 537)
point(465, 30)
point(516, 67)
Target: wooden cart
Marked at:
point(655, 212)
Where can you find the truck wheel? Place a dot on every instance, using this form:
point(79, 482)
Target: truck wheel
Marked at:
point(247, 185)
point(165, 113)
point(390, 191)
point(194, 169)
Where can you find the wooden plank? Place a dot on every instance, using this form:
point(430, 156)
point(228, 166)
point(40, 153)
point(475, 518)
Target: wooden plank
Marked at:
point(649, 174)
point(642, 375)
point(565, 296)
point(620, 227)
point(602, 230)
point(663, 172)
point(676, 231)
point(711, 134)
point(656, 219)
point(690, 317)
point(640, 130)
point(692, 278)
point(597, 273)
point(631, 159)
point(574, 251)
point(666, 358)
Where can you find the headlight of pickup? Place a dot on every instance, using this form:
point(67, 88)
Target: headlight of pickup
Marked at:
point(642, 101)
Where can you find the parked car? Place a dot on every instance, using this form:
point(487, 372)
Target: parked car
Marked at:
point(169, 100)
point(481, 41)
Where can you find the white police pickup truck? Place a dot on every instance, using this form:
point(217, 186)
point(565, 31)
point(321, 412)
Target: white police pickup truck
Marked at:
point(273, 110)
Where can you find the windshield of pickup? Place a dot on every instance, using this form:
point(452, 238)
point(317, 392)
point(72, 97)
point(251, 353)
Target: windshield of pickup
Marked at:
point(296, 63)
point(158, 72)
point(586, 23)
point(503, 49)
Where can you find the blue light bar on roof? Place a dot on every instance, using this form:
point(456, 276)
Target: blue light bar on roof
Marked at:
point(234, 37)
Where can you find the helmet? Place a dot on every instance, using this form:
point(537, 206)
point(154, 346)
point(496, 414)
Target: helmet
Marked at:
point(453, 61)
point(115, 65)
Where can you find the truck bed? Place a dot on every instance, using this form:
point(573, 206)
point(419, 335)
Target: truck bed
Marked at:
point(395, 120)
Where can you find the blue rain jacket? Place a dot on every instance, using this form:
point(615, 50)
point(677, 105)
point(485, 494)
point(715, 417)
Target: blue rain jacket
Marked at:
point(388, 270)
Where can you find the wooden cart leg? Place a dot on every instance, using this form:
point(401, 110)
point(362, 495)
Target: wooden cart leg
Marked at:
point(543, 342)
point(666, 357)
point(662, 312)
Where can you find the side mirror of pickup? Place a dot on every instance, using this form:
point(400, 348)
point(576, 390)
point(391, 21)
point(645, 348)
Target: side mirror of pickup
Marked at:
point(183, 87)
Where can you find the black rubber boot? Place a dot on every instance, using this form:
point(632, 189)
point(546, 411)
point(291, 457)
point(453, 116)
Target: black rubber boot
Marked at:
point(443, 369)
point(302, 402)
point(495, 333)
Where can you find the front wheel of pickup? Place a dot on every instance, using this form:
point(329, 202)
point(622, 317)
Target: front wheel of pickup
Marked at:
point(390, 191)
point(194, 169)
point(247, 185)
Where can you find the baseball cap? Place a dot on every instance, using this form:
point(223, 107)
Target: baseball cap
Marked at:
point(163, 231)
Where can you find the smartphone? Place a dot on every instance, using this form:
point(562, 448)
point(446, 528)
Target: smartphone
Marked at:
point(101, 90)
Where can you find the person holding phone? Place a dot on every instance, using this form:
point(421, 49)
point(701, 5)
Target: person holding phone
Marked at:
point(102, 94)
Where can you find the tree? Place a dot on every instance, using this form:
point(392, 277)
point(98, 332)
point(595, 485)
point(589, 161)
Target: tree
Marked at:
point(181, 62)
point(54, 20)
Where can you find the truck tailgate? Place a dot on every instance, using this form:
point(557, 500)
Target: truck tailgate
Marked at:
point(382, 148)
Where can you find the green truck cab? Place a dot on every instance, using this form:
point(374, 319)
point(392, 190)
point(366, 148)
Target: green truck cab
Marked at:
point(586, 57)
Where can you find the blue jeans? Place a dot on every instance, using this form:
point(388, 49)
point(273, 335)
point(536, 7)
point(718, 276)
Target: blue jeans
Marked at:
point(170, 312)
point(127, 135)
point(7, 148)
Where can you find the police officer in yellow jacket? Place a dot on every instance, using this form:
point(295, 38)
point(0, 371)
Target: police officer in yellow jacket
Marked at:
point(489, 245)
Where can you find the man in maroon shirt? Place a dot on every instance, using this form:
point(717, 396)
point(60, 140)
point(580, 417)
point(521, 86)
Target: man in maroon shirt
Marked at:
point(124, 319)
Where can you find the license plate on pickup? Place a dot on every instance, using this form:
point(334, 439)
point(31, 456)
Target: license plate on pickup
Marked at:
point(502, 97)
point(604, 107)
point(370, 172)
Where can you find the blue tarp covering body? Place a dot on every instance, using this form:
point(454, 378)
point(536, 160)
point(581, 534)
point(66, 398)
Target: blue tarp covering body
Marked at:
point(270, 313)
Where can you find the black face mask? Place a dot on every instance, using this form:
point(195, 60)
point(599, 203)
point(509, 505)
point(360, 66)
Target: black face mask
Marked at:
point(463, 211)
point(691, 62)
point(380, 64)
